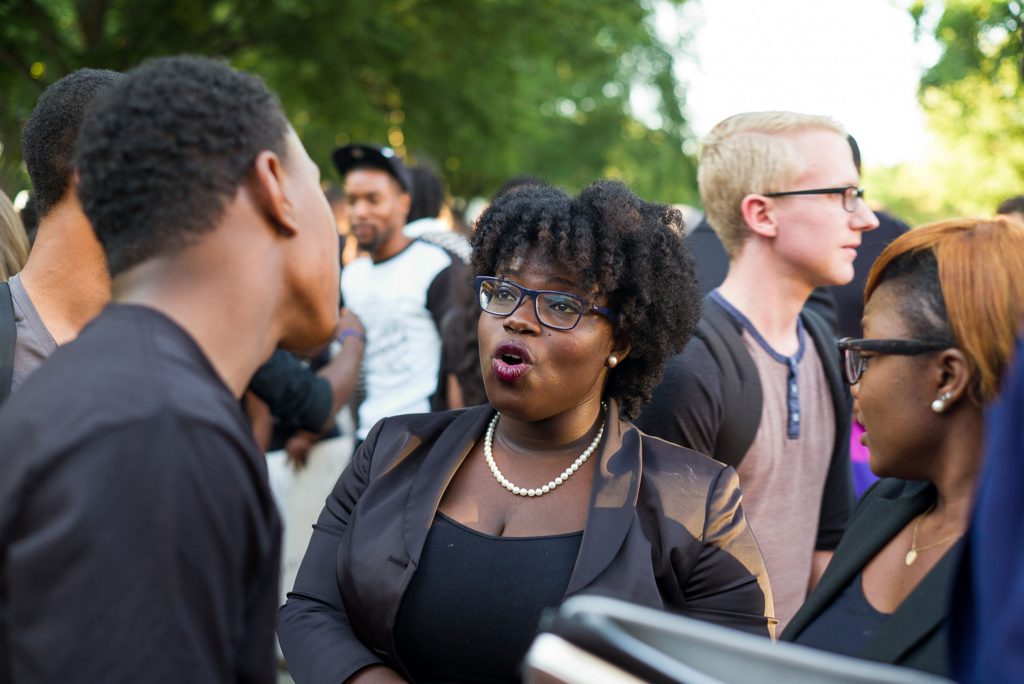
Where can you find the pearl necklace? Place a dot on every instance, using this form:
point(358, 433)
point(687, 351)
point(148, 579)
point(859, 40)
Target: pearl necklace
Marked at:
point(550, 486)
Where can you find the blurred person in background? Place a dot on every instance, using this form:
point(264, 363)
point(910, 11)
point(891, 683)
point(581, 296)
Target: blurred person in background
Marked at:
point(944, 304)
point(30, 219)
point(460, 383)
point(349, 246)
point(425, 220)
point(1012, 207)
point(429, 564)
point(13, 242)
point(400, 290)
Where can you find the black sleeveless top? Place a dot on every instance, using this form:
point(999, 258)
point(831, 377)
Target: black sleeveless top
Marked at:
point(845, 626)
point(471, 610)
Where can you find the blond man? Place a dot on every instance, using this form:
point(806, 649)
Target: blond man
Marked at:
point(759, 387)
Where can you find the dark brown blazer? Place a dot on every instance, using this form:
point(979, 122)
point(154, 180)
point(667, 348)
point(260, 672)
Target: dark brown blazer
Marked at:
point(664, 529)
point(914, 635)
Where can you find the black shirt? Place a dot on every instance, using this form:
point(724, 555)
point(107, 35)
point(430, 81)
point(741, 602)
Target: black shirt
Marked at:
point(138, 538)
point(846, 626)
point(474, 604)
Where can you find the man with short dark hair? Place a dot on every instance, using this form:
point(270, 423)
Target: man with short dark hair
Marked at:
point(64, 284)
point(138, 534)
point(400, 291)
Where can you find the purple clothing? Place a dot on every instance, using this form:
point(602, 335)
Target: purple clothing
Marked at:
point(860, 458)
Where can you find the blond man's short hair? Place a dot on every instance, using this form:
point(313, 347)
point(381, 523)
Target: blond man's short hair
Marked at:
point(749, 153)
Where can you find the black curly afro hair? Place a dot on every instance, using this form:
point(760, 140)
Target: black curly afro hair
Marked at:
point(163, 152)
point(49, 137)
point(617, 244)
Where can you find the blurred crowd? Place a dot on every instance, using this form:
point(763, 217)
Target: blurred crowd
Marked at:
point(791, 415)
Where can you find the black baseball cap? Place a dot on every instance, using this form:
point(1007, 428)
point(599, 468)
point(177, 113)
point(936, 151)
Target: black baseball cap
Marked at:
point(384, 158)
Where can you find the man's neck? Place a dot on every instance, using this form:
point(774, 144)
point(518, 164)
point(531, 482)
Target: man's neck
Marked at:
point(392, 248)
point(229, 311)
point(66, 273)
point(767, 294)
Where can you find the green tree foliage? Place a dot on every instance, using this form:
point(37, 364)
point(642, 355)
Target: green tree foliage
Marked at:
point(485, 89)
point(972, 97)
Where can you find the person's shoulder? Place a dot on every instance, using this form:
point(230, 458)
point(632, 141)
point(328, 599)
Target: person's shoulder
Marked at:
point(429, 253)
point(425, 424)
point(695, 360)
point(357, 268)
point(667, 459)
point(398, 436)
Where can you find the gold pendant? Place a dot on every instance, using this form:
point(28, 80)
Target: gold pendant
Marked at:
point(911, 556)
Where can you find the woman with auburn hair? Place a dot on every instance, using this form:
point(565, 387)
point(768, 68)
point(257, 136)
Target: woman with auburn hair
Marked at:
point(13, 240)
point(943, 306)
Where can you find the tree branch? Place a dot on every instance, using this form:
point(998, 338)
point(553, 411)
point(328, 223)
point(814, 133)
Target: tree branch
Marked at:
point(44, 24)
point(92, 15)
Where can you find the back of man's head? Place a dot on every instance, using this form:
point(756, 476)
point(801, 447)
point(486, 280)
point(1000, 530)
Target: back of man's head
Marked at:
point(749, 153)
point(49, 137)
point(165, 151)
point(427, 193)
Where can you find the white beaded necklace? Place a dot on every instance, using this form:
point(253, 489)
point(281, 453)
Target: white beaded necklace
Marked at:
point(550, 486)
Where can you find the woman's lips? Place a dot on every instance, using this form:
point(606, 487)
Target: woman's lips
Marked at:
point(511, 361)
point(509, 372)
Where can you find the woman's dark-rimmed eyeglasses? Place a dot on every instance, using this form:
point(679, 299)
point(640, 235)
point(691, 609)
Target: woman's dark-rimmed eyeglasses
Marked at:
point(854, 361)
point(852, 195)
point(554, 309)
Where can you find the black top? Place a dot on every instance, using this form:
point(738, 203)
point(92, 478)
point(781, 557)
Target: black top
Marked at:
point(138, 537)
point(915, 634)
point(295, 395)
point(471, 610)
point(664, 528)
point(847, 624)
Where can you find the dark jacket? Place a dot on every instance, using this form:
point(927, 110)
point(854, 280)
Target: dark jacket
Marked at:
point(664, 529)
point(914, 635)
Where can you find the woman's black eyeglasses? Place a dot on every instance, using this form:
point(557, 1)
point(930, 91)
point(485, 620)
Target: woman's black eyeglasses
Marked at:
point(854, 360)
point(554, 309)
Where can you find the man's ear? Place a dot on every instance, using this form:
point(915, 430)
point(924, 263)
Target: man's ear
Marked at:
point(759, 214)
point(269, 194)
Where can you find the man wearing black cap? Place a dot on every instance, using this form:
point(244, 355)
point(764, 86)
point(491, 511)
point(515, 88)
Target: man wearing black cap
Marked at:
point(400, 292)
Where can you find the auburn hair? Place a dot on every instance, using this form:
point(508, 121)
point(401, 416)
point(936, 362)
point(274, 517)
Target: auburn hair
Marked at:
point(967, 280)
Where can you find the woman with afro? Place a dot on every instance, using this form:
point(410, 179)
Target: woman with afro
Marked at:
point(449, 533)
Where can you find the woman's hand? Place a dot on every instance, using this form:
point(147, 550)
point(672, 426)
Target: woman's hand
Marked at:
point(375, 674)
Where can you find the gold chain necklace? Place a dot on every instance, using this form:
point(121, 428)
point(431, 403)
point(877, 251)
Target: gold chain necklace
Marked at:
point(914, 548)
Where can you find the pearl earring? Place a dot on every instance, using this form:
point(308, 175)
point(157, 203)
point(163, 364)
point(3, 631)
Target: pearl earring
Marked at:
point(613, 361)
point(939, 405)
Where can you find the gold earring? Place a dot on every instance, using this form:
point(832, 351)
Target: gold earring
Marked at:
point(613, 361)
